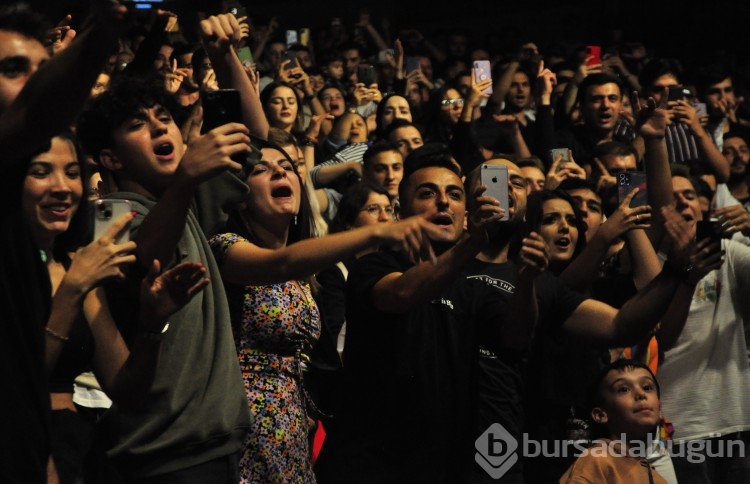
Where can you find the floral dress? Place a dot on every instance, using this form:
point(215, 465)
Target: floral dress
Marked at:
point(273, 327)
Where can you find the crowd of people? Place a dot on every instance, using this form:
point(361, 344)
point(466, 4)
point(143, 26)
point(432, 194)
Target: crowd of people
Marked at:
point(311, 281)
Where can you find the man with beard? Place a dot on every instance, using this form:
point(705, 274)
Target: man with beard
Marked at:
point(600, 100)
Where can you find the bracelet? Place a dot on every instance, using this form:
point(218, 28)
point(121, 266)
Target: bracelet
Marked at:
point(309, 140)
point(55, 335)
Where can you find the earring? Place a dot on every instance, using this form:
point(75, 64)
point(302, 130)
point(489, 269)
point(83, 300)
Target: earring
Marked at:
point(295, 220)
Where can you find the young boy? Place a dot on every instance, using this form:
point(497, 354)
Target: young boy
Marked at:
point(195, 417)
point(626, 408)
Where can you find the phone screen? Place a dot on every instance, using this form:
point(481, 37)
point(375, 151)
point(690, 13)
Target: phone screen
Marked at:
point(495, 178)
point(563, 152)
point(246, 56)
point(412, 64)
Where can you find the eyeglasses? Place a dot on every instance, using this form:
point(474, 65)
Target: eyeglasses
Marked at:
point(450, 102)
point(375, 210)
point(207, 66)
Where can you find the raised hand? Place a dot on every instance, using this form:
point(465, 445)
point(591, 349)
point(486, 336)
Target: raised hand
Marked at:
point(488, 211)
point(60, 36)
point(560, 171)
point(411, 235)
point(625, 219)
point(102, 259)
point(210, 153)
point(650, 119)
point(164, 294)
point(534, 255)
point(733, 219)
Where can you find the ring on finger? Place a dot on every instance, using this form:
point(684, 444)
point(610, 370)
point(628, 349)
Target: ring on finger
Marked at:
point(637, 218)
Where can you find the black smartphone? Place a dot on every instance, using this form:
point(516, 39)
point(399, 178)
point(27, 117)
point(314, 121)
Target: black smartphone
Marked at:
point(366, 74)
point(219, 108)
point(291, 57)
point(495, 178)
point(411, 64)
point(627, 181)
point(707, 229)
point(238, 11)
point(677, 93)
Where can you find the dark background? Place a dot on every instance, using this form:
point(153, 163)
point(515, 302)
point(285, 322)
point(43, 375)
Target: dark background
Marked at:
point(694, 31)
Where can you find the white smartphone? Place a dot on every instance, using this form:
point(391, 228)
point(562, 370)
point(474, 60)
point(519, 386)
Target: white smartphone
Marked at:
point(495, 178)
point(291, 38)
point(106, 211)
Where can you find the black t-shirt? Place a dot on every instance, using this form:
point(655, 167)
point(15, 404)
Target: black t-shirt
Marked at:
point(500, 381)
point(409, 406)
point(25, 295)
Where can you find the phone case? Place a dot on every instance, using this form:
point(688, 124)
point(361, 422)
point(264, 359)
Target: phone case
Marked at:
point(366, 74)
point(219, 108)
point(412, 64)
point(246, 56)
point(291, 37)
point(555, 152)
point(596, 52)
point(106, 212)
point(495, 178)
point(627, 181)
point(483, 71)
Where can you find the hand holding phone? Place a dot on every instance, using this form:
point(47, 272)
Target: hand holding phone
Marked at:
point(627, 181)
point(366, 74)
point(483, 71)
point(495, 178)
point(107, 211)
point(564, 153)
point(411, 64)
point(593, 55)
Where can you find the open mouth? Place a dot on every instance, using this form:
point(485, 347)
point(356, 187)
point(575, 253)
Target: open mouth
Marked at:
point(442, 220)
point(281, 192)
point(563, 242)
point(164, 149)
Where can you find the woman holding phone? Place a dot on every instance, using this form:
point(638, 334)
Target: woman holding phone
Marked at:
point(81, 333)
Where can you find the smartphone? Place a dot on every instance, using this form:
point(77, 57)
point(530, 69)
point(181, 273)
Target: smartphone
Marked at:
point(144, 4)
point(495, 178)
point(238, 11)
point(700, 109)
point(291, 38)
point(106, 212)
point(707, 229)
point(304, 36)
point(555, 152)
point(246, 56)
point(219, 108)
point(291, 57)
point(366, 74)
point(676, 93)
point(411, 64)
point(595, 52)
point(627, 181)
point(483, 71)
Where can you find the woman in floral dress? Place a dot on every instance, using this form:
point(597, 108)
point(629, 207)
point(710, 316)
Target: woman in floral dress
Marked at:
point(264, 262)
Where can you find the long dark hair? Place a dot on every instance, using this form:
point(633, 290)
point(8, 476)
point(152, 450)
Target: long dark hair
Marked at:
point(79, 230)
point(265, 96)
point(535, 214)
point(301, 229)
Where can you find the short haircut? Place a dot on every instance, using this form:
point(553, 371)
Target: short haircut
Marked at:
point(578, 184)
point(684, 171)
point(19, 18)
point(614, 148)
point(655, 68)
point(596, 80)
point(429, 155)
point(531, 161)
point(377, 148)
point(396, 124)
point(281, 137)
point(595, 396)
point(105, 113)
point(352, 201)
